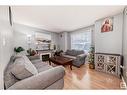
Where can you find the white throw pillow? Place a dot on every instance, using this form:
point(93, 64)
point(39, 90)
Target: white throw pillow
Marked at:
point(28, 65)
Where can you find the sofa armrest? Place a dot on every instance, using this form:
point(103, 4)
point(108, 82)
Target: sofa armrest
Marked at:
point(41, 80)
point(34, 57)
point(82, 56)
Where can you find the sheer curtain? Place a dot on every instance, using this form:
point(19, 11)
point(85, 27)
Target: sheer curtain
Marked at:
point(81, 40)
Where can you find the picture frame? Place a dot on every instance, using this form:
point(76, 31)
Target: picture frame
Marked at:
point(107, 25)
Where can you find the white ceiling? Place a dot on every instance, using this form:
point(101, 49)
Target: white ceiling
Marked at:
point(62, 18)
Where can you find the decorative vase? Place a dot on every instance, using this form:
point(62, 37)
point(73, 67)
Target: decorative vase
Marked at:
point(91, 66)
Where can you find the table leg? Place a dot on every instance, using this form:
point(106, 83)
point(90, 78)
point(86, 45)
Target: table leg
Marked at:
point(71, 66)
point(49, 62)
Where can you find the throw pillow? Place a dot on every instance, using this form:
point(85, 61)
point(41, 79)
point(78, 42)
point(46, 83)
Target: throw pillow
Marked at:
point(20, 72)
point(27, 63)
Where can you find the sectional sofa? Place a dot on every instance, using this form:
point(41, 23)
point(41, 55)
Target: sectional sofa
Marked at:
point(31, 73)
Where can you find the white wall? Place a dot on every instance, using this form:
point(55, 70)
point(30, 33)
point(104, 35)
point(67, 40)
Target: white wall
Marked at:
point(6, 41)
point(63, 41)
point(109, 42)
point(20, 39)
point(125, 45)
point(55, 39)
point(69, 40)
point(21, 32)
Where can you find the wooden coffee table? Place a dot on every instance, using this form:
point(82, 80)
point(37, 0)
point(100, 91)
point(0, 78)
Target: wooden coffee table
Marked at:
point(60, 60)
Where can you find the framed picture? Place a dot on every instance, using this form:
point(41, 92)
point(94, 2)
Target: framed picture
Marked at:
point(107, 25)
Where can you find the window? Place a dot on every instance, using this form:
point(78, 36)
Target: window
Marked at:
point(81, 40)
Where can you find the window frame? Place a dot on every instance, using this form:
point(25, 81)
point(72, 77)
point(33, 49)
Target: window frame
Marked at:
point(79, 33)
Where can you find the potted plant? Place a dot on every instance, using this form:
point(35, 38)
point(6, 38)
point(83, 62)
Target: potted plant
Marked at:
point(18, 49)
point(31, 52)
point(58, 53)
point(91, 58)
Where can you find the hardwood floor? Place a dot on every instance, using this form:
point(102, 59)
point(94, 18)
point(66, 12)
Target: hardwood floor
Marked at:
point(85, 78)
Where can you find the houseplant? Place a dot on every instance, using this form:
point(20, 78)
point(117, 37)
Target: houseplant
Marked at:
point(58, 53)
point(18, 49)
point(91, 58)
point(31, 52)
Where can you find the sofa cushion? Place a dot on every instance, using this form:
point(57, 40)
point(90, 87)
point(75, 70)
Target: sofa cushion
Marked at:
point(20, 72)
point(46, 67)
point(42, 66)
point(78, 52)
point(68, 52)
point(9, 79)
point(36, 61)
point(34, 57)
point(74, 52)
point(28, 65)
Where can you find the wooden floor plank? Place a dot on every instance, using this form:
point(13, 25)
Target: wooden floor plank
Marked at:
point(85, 78)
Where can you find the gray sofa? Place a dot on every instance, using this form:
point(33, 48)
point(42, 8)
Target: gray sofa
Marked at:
point(47, 77)
point(78, 56)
